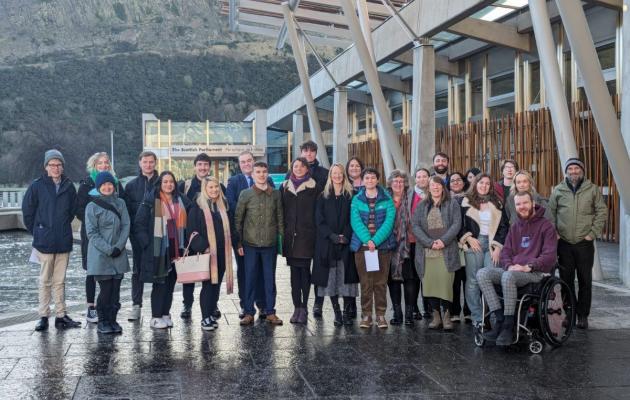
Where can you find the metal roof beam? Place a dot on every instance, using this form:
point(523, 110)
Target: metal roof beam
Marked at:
point(492, 32)
point(325, 31)
point(391, 82)
point(442, 63)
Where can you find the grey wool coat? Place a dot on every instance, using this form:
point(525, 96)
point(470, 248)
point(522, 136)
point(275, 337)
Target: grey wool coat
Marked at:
point(452, 220)
point(106, 232)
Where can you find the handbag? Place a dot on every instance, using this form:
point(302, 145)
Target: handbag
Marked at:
point(195, 268)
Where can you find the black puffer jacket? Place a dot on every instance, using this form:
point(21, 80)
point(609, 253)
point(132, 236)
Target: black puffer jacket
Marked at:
point(298, 205)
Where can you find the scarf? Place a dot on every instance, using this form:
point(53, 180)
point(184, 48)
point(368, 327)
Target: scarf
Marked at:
point(401, 226)
point(419, 192)
point(169, 224)
point(298, 181)
point(212, 242)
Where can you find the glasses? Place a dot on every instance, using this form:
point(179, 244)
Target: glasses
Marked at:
point(457, 180)
point(55, 165)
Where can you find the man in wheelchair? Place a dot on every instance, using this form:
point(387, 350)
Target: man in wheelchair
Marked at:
point(529, 252)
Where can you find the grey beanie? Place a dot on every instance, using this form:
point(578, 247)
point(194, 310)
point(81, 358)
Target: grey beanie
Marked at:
point(573, 161)
point(51, 154)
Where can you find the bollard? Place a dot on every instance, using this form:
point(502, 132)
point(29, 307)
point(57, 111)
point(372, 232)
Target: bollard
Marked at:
point(598, 273)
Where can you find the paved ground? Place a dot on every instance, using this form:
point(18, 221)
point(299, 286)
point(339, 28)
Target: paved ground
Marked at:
point(316, 360)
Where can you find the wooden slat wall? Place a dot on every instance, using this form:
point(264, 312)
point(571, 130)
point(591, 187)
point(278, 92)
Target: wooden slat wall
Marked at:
point(526, 137)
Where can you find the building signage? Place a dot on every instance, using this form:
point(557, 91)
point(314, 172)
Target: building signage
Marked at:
point(216, 151)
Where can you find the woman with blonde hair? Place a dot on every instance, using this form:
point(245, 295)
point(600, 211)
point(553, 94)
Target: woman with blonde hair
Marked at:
point(524, 182)
point(333, 273)
point(98, 162)
point(208, 221)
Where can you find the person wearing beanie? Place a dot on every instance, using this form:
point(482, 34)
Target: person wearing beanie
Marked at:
point(48, 209)
point(579, 213)
point(98, 162)
point(107, 227)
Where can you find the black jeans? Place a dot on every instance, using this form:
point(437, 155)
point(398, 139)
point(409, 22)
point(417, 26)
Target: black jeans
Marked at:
point(189, 294)
point(108, 299)
point(300, 286)
point(438, 304)
point(578, 258)
point(137, 286)
point(460, 279)
point(209, 296)
point(90, 289)
point(162, 295)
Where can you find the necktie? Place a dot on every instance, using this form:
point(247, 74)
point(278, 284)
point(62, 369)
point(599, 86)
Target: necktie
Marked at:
point(249, 181)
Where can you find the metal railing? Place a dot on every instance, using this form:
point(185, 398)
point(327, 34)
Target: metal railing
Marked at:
point(11, 197)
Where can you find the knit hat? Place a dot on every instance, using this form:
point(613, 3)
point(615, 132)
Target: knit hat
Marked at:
point(52, 154)
point(104, 177)
point(573, 161)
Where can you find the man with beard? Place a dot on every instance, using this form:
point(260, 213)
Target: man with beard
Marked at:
point(440, 166)
point(529, 252)
point(579, 213)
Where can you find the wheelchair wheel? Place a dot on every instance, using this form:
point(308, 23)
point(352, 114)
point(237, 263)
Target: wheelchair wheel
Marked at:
point(556, 312)
point(536, 346)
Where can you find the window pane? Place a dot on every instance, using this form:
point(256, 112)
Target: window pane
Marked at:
point(477, 97)
point(277, 159)
point(502, 85)
point(606, 55)
point(501, 110)
point(535, 83)
point(462, 102)
point(441, 101)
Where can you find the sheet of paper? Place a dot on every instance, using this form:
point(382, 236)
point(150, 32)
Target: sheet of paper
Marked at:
point(34, 258)
point(371, 261)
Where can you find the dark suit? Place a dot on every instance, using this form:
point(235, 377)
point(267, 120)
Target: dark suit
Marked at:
point(236, 184)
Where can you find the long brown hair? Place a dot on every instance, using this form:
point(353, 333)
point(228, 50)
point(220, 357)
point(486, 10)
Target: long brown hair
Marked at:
point(475, 199)
point(445, 193)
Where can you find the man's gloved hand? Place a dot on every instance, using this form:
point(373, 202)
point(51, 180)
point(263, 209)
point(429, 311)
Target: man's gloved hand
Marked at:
point(116, 252)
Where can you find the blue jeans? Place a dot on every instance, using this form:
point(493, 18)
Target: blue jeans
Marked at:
point(240, 279)
point(260, 266)
point(474, 262)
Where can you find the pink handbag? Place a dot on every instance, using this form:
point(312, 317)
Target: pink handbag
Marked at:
point(195, 268)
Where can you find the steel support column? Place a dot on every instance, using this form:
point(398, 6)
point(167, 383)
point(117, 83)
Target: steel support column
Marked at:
point(386, 132)
point(553, 82)
point(300, 57)
point(298, 133)
point(624, 65)
point(340, 125)
point(423, 106)
point(260, 130)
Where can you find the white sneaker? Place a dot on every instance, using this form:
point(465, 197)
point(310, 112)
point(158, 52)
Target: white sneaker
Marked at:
point(92, 315)
point(158, 323)
point(167, 319)
point(207, 325)
point(134, 314)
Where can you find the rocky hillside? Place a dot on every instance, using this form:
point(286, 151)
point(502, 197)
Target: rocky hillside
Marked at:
point(72, 70)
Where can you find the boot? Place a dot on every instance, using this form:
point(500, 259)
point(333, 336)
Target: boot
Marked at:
point(492, 334)
point(103, 322)
point(353, 309)
point(296, 315)
point(436, 323)
point(507, 330)
point(338, 318)
point(347, 319)
point(398, 315)
point(317, 309)
point(409, 315)
point(115, 325)
point(447, 324)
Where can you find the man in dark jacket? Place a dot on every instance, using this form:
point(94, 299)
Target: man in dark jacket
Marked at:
point(135, 190)
point(236, 184)
point(48, 210)
point(308, 150)
point(529, 252)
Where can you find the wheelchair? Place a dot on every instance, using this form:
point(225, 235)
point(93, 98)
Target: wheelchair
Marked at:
point(545, 313)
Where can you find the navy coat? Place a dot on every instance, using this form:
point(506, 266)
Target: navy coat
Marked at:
point(48, 214)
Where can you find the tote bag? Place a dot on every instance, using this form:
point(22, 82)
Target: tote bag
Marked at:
point(192, 268)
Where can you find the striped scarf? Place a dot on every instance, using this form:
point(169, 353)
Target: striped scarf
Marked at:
point(212, 241)
point(169, 225)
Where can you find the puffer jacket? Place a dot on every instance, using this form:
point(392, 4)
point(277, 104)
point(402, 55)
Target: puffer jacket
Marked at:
point(577, 215)
point(105, 232)
point(298, 205)
point(258, 218)
point(385, 218)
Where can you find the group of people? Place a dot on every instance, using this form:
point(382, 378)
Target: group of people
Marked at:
point(340, 231)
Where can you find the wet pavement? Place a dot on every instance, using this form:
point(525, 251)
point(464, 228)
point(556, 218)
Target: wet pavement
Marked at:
point(312, 361)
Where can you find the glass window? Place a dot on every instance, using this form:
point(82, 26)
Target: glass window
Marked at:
point(502, 85)
point(397, 113)
point(534, 84)
point(441, 100)
point(441, 122)
point(606, 55)
point(477, 97)
point(276, 138)
point(501, 110)
point(277, 159)
point(461, 90)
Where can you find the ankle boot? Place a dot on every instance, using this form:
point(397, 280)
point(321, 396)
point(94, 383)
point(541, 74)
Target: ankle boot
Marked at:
point(409, 315)
point(507, 331)
point(436, 323)
point(115, 325)
point(103, 322)
point(347, 319)
point(353, 309)
point(338, 317)
point(398, 315)
point(492, 334)
point(447, 324)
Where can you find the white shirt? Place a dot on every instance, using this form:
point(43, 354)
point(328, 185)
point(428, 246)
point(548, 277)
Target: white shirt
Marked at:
point(484, 222)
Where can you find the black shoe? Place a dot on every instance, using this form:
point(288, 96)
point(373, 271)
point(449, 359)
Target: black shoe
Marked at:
point(115, 325)
point(42, 324)
point(262, 315)
point(338, 316)
point(66, 322)
point(409, 315)
point(216, 314)
point(186, 313)
point(505, 338)
point(582, 323)
point(493, 333)
point(105, 328)
point(398, 315)
point(317, 310)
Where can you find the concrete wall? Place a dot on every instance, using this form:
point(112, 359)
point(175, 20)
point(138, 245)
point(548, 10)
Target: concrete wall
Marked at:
point(624, 242)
